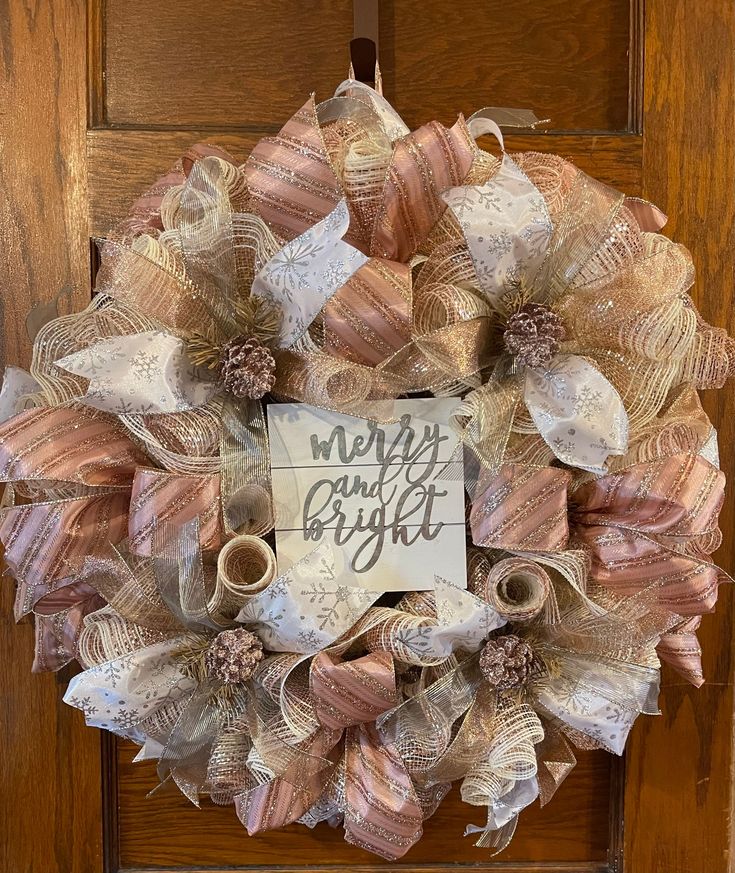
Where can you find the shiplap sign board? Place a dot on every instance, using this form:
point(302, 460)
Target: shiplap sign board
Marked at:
point(389, 497)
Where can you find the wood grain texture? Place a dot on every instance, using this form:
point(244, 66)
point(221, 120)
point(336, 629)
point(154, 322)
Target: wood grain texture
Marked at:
point(121, 163)
point(567, 61)
point(49, 762)
point(679, 793)
point(232, 78)
point(177, 63)
point(573, 828)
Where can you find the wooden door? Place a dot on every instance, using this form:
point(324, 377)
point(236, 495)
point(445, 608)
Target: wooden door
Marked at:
point(99, 97)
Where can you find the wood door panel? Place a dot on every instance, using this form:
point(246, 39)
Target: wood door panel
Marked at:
point(574, 827)
point(121, 164)
point(155, 77)
point(229, 65)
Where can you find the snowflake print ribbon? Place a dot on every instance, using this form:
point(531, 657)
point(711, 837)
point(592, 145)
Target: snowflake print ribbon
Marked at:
point(300, 278)
point(577, 412)
point(15, 391)
point(140, 374)
point(508, 231)
point(120, 694)
point(463, 621)
point(507, 228)
point(306, 608)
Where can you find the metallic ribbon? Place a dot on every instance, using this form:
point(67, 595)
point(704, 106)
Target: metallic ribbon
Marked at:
point(160, 497)
point(648, 526)
point(139, 374)
point(381, 810)
point(653, 522)
point(67, 445)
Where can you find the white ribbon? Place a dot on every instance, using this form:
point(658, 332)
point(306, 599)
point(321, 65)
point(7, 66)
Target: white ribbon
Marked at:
point(601, 700)
point(139, 374)
point(308, 607)
point(507, 228)
point(508, 231)
point(463, 622)
point(300, 278)
point(17, 385)
point(119, 694)
point(577, 411)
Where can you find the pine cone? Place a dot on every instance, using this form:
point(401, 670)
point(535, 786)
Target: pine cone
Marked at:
point(233, 655)
point(247, 367)
point(533, 334)
point(506, 661)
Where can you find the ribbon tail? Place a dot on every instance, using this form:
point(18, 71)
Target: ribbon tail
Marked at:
point(302, 771)
point(494, 838)
point(578, 413)
point(556, 760)
point(382, 811)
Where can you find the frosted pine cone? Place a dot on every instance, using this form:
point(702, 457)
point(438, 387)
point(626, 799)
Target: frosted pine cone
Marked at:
point(233, 656)
point(506, 661)
point(533, 334)
point(247, 367)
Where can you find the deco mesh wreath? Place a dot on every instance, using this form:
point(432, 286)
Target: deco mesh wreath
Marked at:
point(347, 263)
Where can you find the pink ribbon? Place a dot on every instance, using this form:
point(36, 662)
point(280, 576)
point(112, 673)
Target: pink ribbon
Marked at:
point(382, 813)
point(653, 522)
point(62, 444)
point(650, 522)
point(425, 163)
point(159, 497)
point(46, 543)
point(522, 509)
point(369, 318)
point(293, 184)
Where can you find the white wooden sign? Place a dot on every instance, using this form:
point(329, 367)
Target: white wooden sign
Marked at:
point(381, 494)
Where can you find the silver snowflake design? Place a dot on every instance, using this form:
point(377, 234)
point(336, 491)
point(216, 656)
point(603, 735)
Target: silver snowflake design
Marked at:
point(127, 718)
point(85, 704)
point(309, 639)
point(497, 244)
point(101, 389)
point(286, 268)
point(335, 274)
point(416, 639)
point(587, 403)
point(145, 366)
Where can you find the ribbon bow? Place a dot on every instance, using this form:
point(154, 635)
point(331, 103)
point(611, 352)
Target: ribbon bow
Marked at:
point(60, 451)
point(648, 527)
point(381, 810)
point(518, 259)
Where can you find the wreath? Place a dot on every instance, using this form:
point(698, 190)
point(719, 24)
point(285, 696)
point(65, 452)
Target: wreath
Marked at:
point(350, 262)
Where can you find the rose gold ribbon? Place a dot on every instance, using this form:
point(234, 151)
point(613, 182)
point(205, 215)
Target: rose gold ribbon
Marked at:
point(57, 632)
point(290, 178)
point(382, 812)
point(161, 497)
point(556, 760)
point(44, 544)
point(649, 523)
point(652, 523)
point(294, 185)
point(369, 318)
point(45, 541)
point(67, 445)
point(522, 509)
point(424, 164)
point(680, 648)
